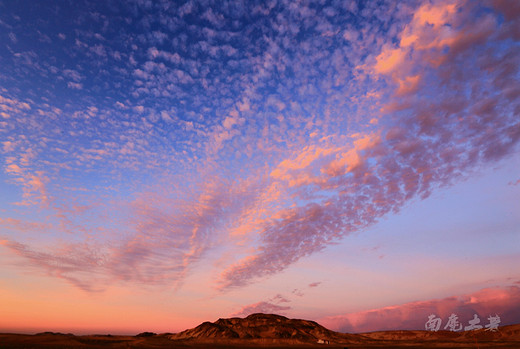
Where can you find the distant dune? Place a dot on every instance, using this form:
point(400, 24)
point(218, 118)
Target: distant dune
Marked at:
point(273, 331)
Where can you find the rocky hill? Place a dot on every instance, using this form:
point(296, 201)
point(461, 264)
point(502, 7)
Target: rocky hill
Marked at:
point(265, 328)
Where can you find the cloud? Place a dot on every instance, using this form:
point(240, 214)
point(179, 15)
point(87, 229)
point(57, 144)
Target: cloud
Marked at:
point(157, 248)
point(504, 302)
point(288, 130)
point(9, 105)
point(279, 299)
point(261, 307)
point(24, 226)
point(171, 57)
point(74, 85)
point(389, 59)
point(514, 182)
point(34, 184)
point(99, 50)
point(432, 136)
point(186, 8)
point(297, 292)
point(77, 264)
point(72, 74)
point(13, 37)
point(155, 240)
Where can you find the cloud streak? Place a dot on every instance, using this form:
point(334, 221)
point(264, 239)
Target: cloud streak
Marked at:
point(412, 316)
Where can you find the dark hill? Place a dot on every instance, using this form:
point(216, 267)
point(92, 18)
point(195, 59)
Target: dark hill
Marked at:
point(265, 328)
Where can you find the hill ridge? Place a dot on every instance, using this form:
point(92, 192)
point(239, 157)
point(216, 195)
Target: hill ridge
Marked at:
point(260, 327)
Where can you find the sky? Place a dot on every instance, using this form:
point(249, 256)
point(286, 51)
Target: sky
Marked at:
point(165, 163)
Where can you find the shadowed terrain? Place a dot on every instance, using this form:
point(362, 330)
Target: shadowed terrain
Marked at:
point(273, 331)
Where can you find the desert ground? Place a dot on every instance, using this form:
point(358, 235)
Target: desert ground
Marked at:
point(60, 341)
point(270, 331)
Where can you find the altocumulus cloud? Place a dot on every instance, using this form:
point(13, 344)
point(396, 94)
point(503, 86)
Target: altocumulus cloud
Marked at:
point(269, 130)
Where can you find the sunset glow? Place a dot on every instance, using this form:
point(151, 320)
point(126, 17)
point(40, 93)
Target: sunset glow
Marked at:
point(165, 163)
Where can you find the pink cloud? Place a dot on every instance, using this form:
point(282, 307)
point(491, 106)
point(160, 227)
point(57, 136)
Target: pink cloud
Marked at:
point(160, 237)
point(78, 264)
point(504, 302)
point(24, 226)
point(10, 105)
point(261, 307)
point(432, 137)
point(515, 182)
point(279, 299)
point(389, 59)
point(34, 183)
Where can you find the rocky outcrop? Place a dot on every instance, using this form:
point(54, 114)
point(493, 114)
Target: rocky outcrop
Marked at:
point(266, 328)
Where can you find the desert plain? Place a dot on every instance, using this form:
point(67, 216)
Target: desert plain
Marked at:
point(270, 331)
